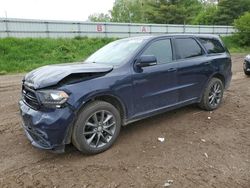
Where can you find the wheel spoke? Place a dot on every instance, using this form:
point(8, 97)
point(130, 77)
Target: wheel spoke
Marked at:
point(98, 140)
point(107, 118)
point(91, 138)
point(108, 131)
point(217, 87)
point(102, 116)
point(212, 101)
point(95, 118)
point(104, 139)
point(108, 126)
point(91, 124)
point(218, 92)
point(89, 132)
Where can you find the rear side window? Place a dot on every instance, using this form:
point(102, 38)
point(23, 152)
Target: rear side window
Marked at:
point(187, 48)
point(162, 50)
point(212, 46)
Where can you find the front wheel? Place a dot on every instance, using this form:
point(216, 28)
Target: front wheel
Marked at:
point(213, 94)
point(247, 73)
point(245, 70)
point(97, 127)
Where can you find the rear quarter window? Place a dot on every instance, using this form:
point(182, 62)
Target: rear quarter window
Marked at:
point(187, 48)
point(213, 46)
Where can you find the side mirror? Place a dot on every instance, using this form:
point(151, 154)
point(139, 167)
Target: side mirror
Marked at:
point(146, 60)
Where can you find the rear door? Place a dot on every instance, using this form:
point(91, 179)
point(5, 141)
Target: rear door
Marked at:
point(193, 70)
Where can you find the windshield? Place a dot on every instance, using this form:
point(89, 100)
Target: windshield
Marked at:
point(116, 52)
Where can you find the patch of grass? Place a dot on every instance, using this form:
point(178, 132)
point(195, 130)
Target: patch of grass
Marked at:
point(22, 55)
point(233, 45)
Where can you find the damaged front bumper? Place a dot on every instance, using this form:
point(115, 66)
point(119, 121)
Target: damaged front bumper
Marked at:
point(50, 129)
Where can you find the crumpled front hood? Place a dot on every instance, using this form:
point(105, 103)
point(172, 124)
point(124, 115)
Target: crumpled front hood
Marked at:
point(52, 74)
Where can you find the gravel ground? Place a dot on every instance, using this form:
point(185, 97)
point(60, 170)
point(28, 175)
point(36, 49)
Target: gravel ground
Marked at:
point(197, 151)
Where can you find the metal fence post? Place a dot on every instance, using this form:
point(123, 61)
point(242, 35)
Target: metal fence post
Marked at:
point(47, 28)
point(79, 29)
point(7, 28)
point(105, 30)
point(129, 30)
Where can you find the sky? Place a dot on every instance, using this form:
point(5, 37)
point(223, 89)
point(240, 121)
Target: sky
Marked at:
point(54, 9)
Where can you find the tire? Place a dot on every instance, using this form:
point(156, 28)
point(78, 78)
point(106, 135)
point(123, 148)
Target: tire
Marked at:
point(97, 127)
point(211, 99)
point(245, 69)
point(246, 73)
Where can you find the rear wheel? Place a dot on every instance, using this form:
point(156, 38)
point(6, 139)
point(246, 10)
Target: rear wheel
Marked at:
point(97, 127)
point(213, 94)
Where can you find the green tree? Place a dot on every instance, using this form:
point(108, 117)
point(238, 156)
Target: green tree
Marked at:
point(229, 10)
point(127, 11)
point(206, 16)
point(99, 17)
point(242, 24)
point(155, 11)
point(208, 12)
point(192, 9)
point(172, 11)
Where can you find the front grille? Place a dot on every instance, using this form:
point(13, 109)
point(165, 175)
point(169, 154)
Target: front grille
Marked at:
point(30, 97)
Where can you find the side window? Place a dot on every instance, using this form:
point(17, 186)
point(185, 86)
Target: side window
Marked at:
point(162, 50)
point(187, 47)
point(212, 46)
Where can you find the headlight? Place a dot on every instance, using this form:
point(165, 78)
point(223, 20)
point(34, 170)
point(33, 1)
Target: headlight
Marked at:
point(52, 98)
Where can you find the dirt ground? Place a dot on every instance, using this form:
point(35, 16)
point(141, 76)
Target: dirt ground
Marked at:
point(197, 151)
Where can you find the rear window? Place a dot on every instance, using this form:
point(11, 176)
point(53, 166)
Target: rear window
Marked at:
point(187, 48)
point(212, 46)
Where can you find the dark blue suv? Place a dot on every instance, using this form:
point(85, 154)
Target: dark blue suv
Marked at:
point(86, 103)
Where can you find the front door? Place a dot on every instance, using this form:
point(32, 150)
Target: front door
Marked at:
point(155, 87)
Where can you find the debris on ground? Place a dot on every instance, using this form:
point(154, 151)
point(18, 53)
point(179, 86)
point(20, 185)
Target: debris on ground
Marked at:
point(209, 117)
point(168, 183)
point(161, 139)
point(206, 155)
point(203, 140)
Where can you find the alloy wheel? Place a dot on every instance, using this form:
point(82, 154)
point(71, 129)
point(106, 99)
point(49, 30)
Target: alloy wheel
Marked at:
point(99, 128)
point(215, 94)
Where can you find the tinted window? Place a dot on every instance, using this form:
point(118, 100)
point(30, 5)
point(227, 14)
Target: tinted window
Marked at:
point(187, 48)
point(161, 49)
point(212, 45)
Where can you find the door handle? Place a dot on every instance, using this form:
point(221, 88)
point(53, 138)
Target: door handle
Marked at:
point(172, 70)
point(208, 63)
